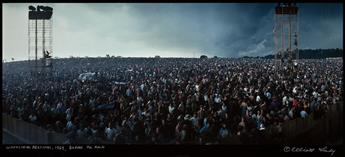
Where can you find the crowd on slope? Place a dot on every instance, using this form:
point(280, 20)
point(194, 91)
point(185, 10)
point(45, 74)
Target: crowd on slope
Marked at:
point(170, 100)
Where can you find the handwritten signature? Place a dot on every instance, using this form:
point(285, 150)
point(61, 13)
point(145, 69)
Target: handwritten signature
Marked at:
point(309, 150)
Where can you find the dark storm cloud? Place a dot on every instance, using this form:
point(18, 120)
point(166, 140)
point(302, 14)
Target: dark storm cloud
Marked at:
point(226, 30)
point(321, 26)
point(214, 29)
point(233, 30)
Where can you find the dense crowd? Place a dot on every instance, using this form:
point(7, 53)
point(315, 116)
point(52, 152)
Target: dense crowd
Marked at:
point(170, 100)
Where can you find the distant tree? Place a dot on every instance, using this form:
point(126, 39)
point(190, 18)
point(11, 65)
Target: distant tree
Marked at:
point(157, 56)
point(316, 53)
point(203, 57)
point(107, 56)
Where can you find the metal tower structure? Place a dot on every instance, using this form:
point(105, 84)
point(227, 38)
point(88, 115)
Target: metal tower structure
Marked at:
point(286, 35)
point(40, 29)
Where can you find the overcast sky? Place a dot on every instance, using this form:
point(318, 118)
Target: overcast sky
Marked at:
point(168, 30)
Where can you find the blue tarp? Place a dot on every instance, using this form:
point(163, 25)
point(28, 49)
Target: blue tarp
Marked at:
point(120, 83)
point(105, 107)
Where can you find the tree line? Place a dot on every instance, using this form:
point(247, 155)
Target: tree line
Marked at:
point(312, 54)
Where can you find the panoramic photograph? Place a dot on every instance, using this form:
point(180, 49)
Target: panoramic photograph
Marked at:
point(172, 73)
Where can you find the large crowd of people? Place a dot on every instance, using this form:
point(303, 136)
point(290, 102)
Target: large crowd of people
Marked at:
point(169, 100)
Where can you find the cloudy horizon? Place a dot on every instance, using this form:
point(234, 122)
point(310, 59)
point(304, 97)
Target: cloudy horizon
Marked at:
point(169, 29)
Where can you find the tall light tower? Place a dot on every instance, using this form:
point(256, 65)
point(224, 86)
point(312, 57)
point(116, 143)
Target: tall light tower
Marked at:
point(40, 27)
point(286, 35)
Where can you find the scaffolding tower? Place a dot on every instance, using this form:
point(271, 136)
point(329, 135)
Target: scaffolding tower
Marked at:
point(286, 36)
point(40, 39)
